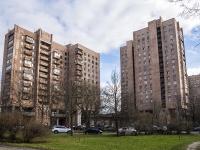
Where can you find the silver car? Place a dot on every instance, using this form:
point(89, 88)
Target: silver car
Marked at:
point(127, 130)
point(60, 129)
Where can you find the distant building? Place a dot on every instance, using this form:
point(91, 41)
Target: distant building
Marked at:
point(153, 68)
point(194, 85)
point(32, 63)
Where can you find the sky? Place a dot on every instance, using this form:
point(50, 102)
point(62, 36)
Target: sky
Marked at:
point(101, 25)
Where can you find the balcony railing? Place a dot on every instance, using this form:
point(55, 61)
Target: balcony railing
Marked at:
point(44, 58)
point(29, 40)
point(27, 84)
point(44, 52)
point(28, 53)
point(44, 47)
point(43, 81)
point(43, 69)
point(79, 52)
point(44, 63)
point(57, 56)
point(26, 90)
point(28, 46)
point(78, 67)
point(43, 88)
point(79, 73)
point(26, 78)
point(43, 75)
point(56, 61)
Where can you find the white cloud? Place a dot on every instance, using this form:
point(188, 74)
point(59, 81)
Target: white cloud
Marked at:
point(100, 25)
point(193, 71)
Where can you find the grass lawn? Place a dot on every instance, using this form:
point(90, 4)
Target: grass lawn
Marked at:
point(111, 142)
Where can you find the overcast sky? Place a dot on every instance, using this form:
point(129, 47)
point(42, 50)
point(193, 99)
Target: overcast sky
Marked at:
point(101, 25)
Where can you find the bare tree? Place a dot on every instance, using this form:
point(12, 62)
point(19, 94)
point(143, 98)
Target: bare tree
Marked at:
point(113, 93)
point(65, 95)
point(190, 8)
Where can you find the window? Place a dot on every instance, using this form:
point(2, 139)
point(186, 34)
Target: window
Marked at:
point(174, 82)
point(9, 54)
point(168, 83)
point(173, 61)
point(171, 36)
point(170, 30)
point(10, 42)
point(174, 77)
point(164, 28)
point(10, 48)
point(8, 67)
point(172, 50)
point(138, 36)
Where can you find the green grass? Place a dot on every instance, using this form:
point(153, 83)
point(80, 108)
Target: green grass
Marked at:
point(111, 142)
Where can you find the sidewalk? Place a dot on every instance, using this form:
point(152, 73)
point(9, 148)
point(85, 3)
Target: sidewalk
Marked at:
point(2, 147)
point(193, 146)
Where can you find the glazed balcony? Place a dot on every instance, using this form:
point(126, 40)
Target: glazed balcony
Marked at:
point(42, 93)
point(25, 97)
point(79, 51)
point(56, 56)
point(78, 62)
point(27, 71)
point(79, 57)
point(56, 78)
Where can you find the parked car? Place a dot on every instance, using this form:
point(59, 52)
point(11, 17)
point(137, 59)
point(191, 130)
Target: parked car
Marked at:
point(60, 129)
point(196, 129)
point(127, 130)
point(79, 127)
point(92, 130)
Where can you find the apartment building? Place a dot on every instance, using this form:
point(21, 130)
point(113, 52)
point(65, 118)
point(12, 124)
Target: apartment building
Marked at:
point(153, 68)
point(33, 64)
point(194, 86)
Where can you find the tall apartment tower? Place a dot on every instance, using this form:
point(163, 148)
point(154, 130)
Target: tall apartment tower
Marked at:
point(153, 68)
point(33, 63)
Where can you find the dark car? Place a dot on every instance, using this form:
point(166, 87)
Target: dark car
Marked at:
point(196, 129)
point(92, 130)
point(79, 127)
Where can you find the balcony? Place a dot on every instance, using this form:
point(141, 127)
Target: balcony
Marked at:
point(77, 78)
point(44, 58)
point(79, 51)
point(28, 46)
point(42, 93)
point(27, 58)
point(45, 47)
point(43, 75)
point(56, 62)
point(56, 56)
point(44, 63)
point(42, 100)
point(43, 88)
point(79, 57)
point(43, 69)
point(79, 73)
point(43, 81)
point(29, 40)
point(26, 90)
point(27, 84)
point(56, 78)
point(78, 67)
point(56, 73)
point(25, 97)
point(28, 53)
point(26, 78)
point(27, 71)
point(78, 62)
point(44, 52)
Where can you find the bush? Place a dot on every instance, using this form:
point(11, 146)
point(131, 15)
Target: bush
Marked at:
point(31, 130)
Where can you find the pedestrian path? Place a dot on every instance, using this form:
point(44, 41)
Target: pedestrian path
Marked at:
point(2, 147)
point(194, 146)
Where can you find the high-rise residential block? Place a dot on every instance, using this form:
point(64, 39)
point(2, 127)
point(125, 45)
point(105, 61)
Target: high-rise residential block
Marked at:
point(153, 68)
point(33, 63)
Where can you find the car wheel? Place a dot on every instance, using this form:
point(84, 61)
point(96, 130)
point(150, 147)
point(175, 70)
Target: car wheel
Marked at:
point(68, 132)
point(56, 132)
point(133, 133)
point(123, 133)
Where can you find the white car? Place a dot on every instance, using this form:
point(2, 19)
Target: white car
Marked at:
point(127, 130)
point(60, 129)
